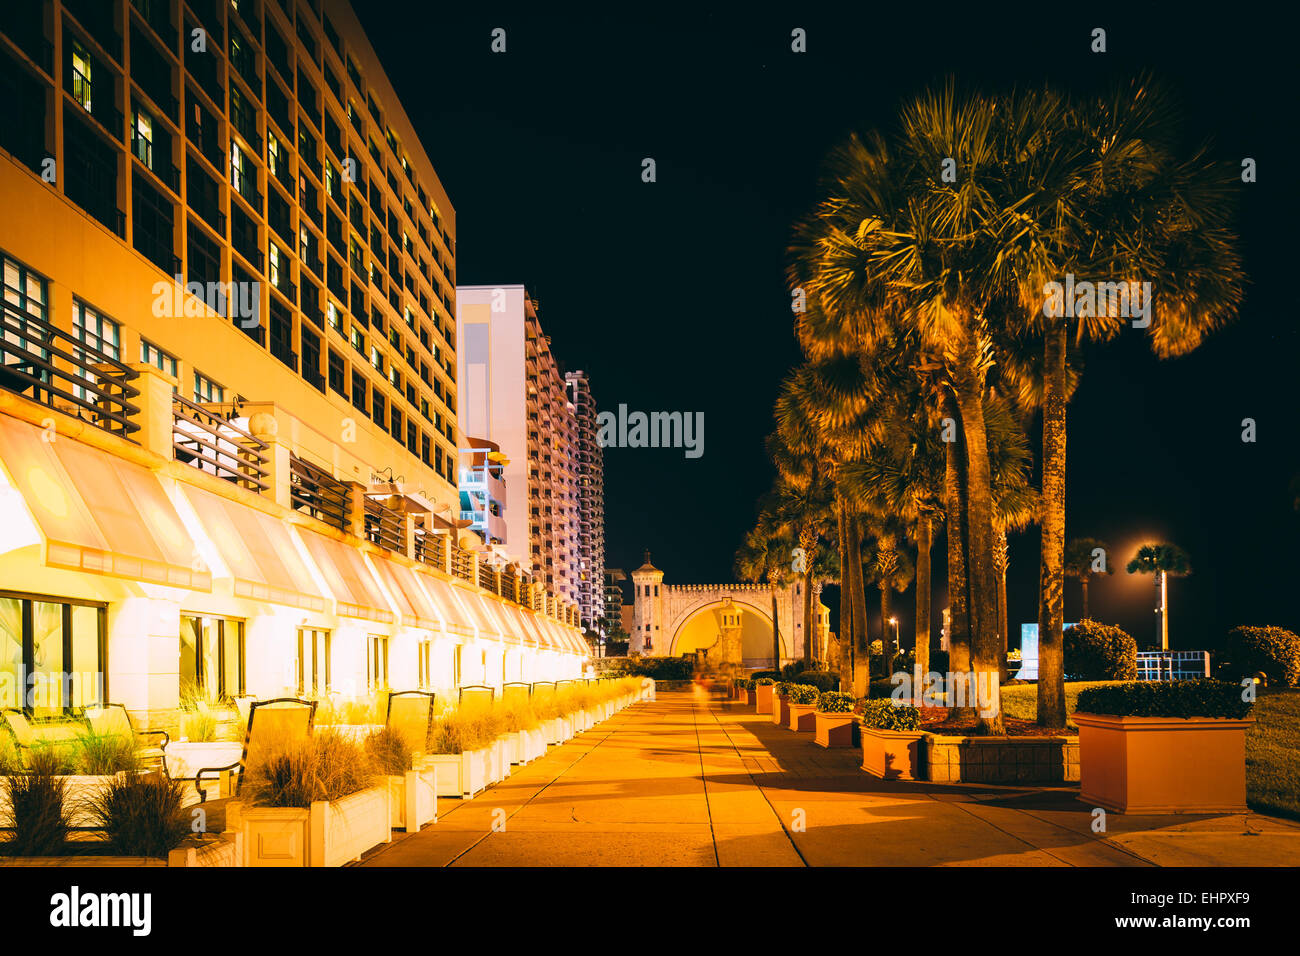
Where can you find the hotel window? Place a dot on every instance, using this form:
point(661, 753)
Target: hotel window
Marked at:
point(52, 654)
point(424, 664)
point(100, 334)
point(273, 266)
point(313, 661)
point(379, 409)
point(142, 136)
point(338, 373)
point(359, 391)
point(82, 75)
point(332, 315)
point(395, 422)
point(241, 177)
point(276, 160)
point(282, 334)
point(377, 359)
point(377, 663)
point(359, 340)
point(153, 355)
point(208, 391)
point(212, 657)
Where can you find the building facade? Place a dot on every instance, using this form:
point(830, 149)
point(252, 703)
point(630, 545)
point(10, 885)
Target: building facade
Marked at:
point(513, 394)
point(228, 398)
point(589, 479)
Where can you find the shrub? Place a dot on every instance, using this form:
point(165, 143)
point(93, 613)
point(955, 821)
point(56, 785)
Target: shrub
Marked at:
point(834, 702)
point(1273, 650)
point(325, 766)
point(782, 688)
point(1183, 698)
point(474, 728)
point(390, 752)
point(880, 688)
point(803, 694)
point(36, 807)
point(771, 676)
point(886, 715)
point(744, 683)
point(822, 680)
point(792, 670)
point(142, 814)
point(662, 668)
point(765, 682)
point(1095, 651)
point(103, 754)
point(519, 715)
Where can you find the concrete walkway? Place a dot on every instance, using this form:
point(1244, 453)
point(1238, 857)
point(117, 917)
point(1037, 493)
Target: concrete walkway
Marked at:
point(692, 781)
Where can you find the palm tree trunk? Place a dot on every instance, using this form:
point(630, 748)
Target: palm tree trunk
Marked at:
point(1051, 606)
point(776, 630)
point(846, 601)
point(979, 532)
point(1162, 582)
point(924, 541)
point(886, 637)
point(1000, 567)
point(1083, 589)
point(861, 643)
point(809, 620)
point(954, 505)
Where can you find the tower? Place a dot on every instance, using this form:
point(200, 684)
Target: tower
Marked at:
point(728, 660)
point(646, 610)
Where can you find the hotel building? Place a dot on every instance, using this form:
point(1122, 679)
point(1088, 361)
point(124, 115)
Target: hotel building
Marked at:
point(589, 478)
point(228, 396)
point(513, 394)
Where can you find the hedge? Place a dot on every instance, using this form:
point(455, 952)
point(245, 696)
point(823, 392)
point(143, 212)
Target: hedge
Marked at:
point(1274, 651)
point(759, 675)
point(822, 680)
point(1096, 651)
point(804, 694)
point(886, 715)
point(1181, 698)
point(833, 702)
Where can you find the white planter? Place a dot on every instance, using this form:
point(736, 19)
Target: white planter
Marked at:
point(185, 758)
point(557, 730)
point(413, 799)
point(501, 757)
point(534, 744)
point(460, 775)
point(226, 850)
point(328, 834)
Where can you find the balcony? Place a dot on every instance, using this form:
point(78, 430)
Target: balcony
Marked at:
point(316, 492)
point(51, 367)
point(218, 445)
point(385, 527)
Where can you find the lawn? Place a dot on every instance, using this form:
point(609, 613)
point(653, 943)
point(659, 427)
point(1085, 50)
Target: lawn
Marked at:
point(1272, 745)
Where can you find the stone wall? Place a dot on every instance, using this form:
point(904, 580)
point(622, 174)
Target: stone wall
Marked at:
point(1001, 760)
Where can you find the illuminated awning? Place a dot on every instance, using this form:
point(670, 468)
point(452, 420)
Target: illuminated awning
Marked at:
point(455, 616)
point(97, 512)
point(515, 615)
point(349, 581)
point(532, 627)
point(258, 550)
point(505, 625)
point(413, 601)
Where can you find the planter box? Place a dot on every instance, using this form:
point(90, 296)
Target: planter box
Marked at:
point(892, 754)
point(532, 744)
point(185, 758)
point(328, 834)
point(780, 710)
point(412, 799)
point(835, 730)
point(751, 697)
point(226, 850)
point(802, 717)
point(1163, 764)
point(1000, 760)
point(501, 748)
point(763, 697)
point(460, 775)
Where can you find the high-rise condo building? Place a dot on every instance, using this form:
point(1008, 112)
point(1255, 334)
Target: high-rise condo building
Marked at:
point(589, 475)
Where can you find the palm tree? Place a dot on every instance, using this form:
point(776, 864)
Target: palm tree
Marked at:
point(1080, 561)
point(1161, 560)
point(765, 556)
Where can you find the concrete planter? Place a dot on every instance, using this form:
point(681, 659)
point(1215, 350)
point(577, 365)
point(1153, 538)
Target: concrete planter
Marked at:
point(802, 717)
point(892, 754)
point(751, 697)
point(763, 697)
point(226, 850)
point(412, 799)
point(460, 775)
point(1163, 764)
point(327, 834)
point(834, 730)
point(780, 710)
point(1000, 760)
point(532, 744)
point(501, 756)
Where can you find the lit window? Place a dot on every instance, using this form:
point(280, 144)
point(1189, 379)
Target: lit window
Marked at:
point(377, 663)
point(332, 315)
point(142, 137)
point(151, 354)
point(101, 337)
point(273, 263)
point(206, 390)
point(81, 75)
point(358, 340)
point(377, 358)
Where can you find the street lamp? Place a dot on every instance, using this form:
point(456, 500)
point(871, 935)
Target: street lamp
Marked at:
point(894, 621)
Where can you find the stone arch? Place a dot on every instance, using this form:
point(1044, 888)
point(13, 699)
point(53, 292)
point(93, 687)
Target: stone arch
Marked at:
point(713, 603)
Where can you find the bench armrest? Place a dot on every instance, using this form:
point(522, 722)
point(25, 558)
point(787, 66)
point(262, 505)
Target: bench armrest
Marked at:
point(166, 737)
point(198, 777)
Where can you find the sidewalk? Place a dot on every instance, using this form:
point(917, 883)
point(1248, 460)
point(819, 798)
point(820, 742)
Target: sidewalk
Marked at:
point(689, 781)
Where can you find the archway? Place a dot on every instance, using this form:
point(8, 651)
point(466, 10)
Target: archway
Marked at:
point(703, 627)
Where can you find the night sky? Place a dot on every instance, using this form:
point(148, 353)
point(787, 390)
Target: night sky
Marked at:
point(671, 294)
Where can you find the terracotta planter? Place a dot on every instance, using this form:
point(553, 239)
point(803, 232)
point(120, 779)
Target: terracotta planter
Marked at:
point(780, 710)
point(835, 730)
point(891, 754)
point(763, 697)
point(751, 698)
point(802, 717)
point(1163, 764)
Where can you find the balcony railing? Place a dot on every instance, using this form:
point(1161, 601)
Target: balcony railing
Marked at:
point(318, 493)
point(430, 548)
point(385, 527)
point(462, 563)
point(211, 442)
point(487, 577)
point(51, 367)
